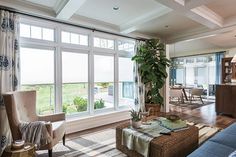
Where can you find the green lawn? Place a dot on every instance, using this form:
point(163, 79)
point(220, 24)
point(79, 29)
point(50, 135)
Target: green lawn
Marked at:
point(45, 95)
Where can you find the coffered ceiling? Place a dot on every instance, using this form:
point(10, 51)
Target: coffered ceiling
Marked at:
point(212, 21)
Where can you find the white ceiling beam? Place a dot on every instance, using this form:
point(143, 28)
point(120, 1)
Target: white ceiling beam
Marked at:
point(209, 15)
point(69, 8)
point(200, 34)
point(202, 14)
point(190, 4)
point(133, 25)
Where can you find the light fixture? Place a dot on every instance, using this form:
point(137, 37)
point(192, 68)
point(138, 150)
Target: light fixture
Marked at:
point(116, 8)
point(233, 61)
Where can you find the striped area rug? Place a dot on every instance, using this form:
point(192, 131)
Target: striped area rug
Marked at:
point(102, 143)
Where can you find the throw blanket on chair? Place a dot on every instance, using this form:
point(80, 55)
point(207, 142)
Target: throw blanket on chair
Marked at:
point(35, 132)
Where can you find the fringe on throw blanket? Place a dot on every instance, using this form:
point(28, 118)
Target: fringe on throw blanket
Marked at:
point(35, 132)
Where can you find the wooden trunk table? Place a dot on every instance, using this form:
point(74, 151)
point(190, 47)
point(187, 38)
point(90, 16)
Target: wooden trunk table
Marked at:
point(29, 152)
point(178, 144)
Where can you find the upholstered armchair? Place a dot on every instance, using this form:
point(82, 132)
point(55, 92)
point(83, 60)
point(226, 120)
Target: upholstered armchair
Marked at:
point(21, 107)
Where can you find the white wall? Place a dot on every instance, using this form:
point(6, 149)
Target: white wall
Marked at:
point(231, 52)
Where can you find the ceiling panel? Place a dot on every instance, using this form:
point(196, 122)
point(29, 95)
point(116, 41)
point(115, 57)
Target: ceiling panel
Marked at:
point(225, 8)
point(226, 40)
point(169, 24)
point(128, 9)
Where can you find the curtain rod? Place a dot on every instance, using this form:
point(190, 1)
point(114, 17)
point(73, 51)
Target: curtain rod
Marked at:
point(64, 22)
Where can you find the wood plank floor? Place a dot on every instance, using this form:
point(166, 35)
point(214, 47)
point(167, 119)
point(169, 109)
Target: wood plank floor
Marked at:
point(205, 114)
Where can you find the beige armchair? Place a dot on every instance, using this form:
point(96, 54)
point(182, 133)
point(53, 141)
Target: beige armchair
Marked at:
point(21, 107)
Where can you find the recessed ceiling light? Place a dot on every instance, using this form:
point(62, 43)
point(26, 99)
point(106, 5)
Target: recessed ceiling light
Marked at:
point(166, 26)
point(116, 8)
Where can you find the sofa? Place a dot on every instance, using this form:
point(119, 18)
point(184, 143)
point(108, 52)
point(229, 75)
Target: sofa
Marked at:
point(220, 145)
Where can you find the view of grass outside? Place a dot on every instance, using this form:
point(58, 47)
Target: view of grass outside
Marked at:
point(75, 97)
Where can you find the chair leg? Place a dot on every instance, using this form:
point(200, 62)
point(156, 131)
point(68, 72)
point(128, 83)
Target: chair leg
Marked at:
point(201, 100)
point(64, 139)
point(49, 152)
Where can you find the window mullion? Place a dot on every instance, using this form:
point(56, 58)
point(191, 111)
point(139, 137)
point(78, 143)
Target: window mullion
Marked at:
point(58, 73)
point(91, 76)
point(116, 77)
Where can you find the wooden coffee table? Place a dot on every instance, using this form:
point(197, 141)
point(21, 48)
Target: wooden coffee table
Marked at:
point(178, 144)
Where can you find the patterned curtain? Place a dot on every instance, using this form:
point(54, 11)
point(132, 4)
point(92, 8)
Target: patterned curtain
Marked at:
point(139, 94)
point(9, 67)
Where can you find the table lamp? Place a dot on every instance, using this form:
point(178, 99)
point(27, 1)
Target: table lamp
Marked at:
point(233, 62)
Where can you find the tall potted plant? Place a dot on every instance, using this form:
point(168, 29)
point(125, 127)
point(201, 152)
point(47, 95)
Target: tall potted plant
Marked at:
point(152, 63)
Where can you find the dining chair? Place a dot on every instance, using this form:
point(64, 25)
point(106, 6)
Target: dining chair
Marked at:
point(21, 107)
point(176, 93)
point(196, 92)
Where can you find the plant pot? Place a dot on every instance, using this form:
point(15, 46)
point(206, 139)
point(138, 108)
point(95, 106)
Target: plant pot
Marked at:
point(135, 124)
point(153, 109)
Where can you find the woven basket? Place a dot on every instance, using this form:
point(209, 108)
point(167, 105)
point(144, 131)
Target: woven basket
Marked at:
point(153, 109)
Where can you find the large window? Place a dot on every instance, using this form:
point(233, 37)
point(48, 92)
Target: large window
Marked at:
point(196, 71)
point(74, 82)
point(77, 71)
point(37, 73)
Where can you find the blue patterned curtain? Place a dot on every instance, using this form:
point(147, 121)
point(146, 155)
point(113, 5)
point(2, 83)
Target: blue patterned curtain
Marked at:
point(219, 56)
point(9, 67)
point(139, 94)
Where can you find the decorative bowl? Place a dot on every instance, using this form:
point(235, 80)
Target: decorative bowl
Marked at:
point(173, 117)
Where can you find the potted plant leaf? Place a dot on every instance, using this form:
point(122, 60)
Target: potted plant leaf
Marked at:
point(152, 63)
point(135, 120)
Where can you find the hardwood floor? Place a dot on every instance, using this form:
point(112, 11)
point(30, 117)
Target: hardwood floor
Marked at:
point(205, 114)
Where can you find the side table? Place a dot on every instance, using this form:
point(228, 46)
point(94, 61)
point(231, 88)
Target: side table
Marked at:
point(24, 152)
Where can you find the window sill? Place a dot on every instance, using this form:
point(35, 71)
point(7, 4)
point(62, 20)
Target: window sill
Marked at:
point(76, 124)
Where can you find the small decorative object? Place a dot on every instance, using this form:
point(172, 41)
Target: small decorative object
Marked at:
point(135, 118)
point(144, 116)
point(173, 117)
point(18, 144)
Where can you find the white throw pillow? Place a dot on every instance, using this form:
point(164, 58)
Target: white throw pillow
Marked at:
point(233, 154)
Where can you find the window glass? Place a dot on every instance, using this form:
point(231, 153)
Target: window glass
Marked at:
point(25, 30)
point(65, 37)
point(75, 82)
point(103, 43)
point(104, 82)
point(36, 32)
point(83, 40)
point(126, 83)
point(74, 38)
point(126, 46)
point(37, 73)
point(48, 34)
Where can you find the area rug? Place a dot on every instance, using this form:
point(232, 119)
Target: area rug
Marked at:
point(193, 105)
point(102, 144)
